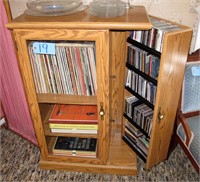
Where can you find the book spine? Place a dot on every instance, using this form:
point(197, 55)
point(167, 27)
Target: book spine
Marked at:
point(74, 126)
point(63, 121)
point(58, 130)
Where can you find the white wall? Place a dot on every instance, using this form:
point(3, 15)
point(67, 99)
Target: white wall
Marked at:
point(17, 7)
point(180, 11)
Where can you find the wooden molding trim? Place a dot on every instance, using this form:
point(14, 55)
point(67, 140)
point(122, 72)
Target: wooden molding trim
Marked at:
point(8, 10)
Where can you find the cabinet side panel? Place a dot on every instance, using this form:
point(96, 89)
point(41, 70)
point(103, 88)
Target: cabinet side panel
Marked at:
point(118, 57)
point(172, 66)
point(26, 73)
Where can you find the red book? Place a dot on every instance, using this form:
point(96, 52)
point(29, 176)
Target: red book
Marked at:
point(74, 114)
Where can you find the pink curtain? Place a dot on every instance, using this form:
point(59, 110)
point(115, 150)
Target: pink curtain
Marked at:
point(1, 113)
point(12, 94)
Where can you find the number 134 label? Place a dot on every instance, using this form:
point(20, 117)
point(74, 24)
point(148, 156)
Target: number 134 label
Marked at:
point(44, 48)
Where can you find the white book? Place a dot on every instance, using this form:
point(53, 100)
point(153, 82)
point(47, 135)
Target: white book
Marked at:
point(138, 35)
point(58, 130)
point(128, 78)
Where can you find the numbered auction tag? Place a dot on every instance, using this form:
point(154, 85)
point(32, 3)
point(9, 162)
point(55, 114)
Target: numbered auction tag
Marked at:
point(44, 48)
point(196, 70)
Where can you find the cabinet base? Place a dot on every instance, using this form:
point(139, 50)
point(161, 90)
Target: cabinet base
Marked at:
point(88, 168)
point(122, 160)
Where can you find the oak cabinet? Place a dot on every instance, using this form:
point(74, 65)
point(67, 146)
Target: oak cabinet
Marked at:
point(109, 35)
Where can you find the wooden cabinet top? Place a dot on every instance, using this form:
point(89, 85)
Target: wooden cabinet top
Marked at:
point(136, 18)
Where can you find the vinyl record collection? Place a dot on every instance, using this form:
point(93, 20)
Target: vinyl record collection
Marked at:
point(69, 69)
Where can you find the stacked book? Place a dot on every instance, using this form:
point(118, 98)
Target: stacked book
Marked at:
point(154, 38)
point(74, 119)
point(69, 68)
point(74, 146)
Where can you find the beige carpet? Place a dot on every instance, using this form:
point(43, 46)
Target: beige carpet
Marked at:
point(19, 163)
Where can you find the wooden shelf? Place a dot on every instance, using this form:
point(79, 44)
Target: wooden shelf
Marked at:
point(122, 160)
point(51, 142)
point(140, 97)
point(136, 149)
point(143, 47)
point(46, 112)
point(147, 77)
point(136, 125)
point(64, 98)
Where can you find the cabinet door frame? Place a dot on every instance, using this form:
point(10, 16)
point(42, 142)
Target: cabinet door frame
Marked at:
point(171, 73)
point(102, 42)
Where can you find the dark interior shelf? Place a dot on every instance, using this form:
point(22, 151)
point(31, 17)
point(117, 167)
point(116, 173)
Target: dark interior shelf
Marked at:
point(136, 125)
point(143, 47)
point(140, 97)
point(135, 148)
point(147, 77)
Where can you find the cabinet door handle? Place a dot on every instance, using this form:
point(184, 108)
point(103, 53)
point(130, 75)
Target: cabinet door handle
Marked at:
point(160, 115)
point(101, 112)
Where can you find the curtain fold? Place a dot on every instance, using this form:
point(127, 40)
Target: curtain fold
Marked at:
point(12, 94)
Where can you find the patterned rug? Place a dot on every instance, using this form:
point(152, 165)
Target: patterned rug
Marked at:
point(19, 163)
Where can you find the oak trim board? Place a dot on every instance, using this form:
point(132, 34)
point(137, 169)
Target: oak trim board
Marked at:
point(135, 18)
